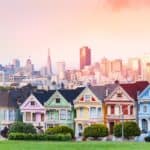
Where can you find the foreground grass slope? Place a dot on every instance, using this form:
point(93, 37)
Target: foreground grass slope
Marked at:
point(22, 145)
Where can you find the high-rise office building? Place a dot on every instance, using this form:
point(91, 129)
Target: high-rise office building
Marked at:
point(16, 64)
point(61, 70)
point(146, 67)
point(105, 67)
point(49, 65)
point(116, 65)
point(134, 66)
point(29, 67)
point(85, 57)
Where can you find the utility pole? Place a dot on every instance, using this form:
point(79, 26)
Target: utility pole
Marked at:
point(122, 126)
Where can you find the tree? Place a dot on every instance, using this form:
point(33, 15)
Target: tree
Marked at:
point(131, 129)
point(96, 130)
point(60, 130)
point(20, 127)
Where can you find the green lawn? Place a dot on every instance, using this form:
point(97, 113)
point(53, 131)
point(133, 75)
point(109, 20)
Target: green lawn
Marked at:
point(22, 145)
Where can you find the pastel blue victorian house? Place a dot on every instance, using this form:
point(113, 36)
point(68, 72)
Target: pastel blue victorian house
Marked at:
point(144, 110)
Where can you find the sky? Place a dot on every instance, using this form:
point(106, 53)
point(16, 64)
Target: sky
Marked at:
point(111, 28)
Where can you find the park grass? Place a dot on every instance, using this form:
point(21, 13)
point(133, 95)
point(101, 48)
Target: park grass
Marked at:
point(26, 145)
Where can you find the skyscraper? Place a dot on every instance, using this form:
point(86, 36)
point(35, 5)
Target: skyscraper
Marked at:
point(49, 67)
point(105, 67)
point(29, 67)
point(85, 57)
point(61, 70)
point(16, 64)
point(146, 67)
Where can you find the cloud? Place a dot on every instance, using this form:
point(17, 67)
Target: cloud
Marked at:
point(118, 5)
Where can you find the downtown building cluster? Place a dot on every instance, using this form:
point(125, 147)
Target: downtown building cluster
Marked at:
point(99, 73)
point(77, 108)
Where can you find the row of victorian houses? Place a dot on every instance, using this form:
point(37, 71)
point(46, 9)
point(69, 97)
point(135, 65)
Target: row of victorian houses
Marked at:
point(78, 108)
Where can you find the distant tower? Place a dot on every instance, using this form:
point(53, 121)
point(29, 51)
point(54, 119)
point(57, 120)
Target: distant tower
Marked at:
point(49, 68)
point(29, 67)
point(61, 70)
point(85, 57)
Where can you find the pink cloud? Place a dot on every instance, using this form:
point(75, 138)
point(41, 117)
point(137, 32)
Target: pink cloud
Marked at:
point(117, 5)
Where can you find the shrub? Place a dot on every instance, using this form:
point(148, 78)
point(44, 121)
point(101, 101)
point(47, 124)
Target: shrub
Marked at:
point(96, 130)
point(20, 127)
point(147, 138)
point(60, 130)
point(39, 137)
point(131, 129)
point(4, 132)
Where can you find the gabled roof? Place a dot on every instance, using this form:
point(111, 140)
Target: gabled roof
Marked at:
point(134, 89)
point(70, 95)
point(43, 95)
point(11, 98)
point(103, 91)
point(143, 92)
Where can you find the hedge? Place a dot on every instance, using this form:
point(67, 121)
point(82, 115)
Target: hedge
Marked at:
point(147, 138)
point(131, 129)
point(96, 130)
point(60, 130)
point(39, 137)
point(20, 127)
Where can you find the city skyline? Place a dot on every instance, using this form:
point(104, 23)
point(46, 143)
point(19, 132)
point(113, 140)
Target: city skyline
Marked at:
point(110, 28)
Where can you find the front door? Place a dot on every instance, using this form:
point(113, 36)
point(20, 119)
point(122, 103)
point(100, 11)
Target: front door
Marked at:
point(111, 127)
point(80, 130)
point(144, 126)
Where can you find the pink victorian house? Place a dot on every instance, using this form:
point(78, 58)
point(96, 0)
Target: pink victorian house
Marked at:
point(33, 112)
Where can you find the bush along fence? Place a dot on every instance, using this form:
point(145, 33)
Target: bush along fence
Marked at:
point(131, 130)
point(39, 137)
point(23, 131)
point(95, 131)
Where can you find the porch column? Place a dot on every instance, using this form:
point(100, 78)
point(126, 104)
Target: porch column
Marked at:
point(59, 110)
point(148, 121)
point(129, 107)
point(76, 130)
point(66, 114)
point(24, 116)
point(31, 116)
point(108, 109)
point(140, 123)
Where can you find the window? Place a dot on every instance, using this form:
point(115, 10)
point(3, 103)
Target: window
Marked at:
point(62, 114)
point(112, 109)
point(11, 115)
point(93, 112)
point(42, 117)
point(125, 109)
point(119, 94)
point(81, 112)
point(131, 110)
point(93, 99)
point(51, 115)
point(34, 117)
point(87, 97)
point(99, 112)
point(57, 100)
point(5, 115)
point(28, 116)
point(82, 99)
point(69, 115)
point(145, 108)
point(32, 103)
